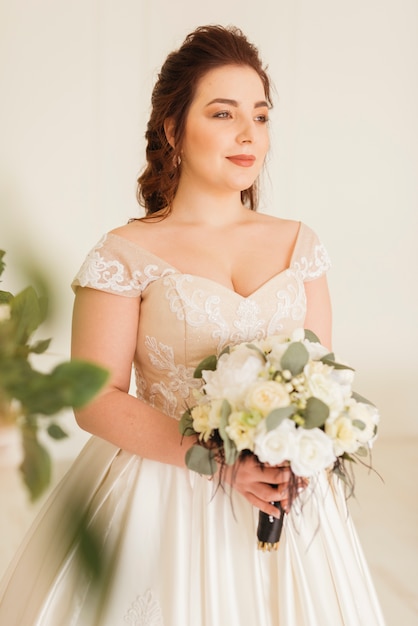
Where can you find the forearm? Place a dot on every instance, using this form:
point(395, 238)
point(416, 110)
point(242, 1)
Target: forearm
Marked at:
point(133, 425)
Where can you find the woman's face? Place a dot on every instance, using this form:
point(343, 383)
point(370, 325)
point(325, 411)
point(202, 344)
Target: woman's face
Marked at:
point(226, 137)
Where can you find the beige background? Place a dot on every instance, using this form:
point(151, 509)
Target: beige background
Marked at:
point(75, 85)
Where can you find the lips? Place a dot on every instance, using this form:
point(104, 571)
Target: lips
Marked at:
point(242, 160)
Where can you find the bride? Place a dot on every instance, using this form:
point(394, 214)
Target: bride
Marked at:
point(200, 271)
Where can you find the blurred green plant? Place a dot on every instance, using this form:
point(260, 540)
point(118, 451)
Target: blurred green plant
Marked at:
point(30, 398)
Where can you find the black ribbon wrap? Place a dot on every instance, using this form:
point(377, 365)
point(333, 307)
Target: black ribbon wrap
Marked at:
point(269, 529)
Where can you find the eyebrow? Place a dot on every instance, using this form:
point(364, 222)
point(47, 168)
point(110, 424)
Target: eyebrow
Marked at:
point(235, 103)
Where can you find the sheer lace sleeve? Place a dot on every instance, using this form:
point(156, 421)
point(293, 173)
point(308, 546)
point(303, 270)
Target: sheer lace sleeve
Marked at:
point(310, 258)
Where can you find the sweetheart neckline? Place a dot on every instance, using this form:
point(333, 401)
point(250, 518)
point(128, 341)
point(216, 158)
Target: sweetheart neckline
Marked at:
point(211, 280)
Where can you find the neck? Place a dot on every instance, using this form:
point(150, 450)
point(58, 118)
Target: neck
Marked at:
point(208, 208)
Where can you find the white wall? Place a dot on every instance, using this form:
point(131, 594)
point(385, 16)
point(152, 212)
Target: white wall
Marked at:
point(75, 85)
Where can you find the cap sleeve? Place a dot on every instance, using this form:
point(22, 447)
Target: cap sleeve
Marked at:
point(310, 258)
point(115, 265)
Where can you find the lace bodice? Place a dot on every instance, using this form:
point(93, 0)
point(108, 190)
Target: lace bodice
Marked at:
point(185, 317)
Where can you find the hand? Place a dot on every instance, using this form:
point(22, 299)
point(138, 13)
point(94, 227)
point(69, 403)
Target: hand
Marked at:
point(262, 485)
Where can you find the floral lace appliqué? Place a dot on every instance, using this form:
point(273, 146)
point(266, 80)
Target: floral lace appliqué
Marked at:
point(144, 611)
point(314, 266)
point(179, 378)
point(110, 274)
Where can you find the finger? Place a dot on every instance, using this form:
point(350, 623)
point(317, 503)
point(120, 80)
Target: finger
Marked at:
point(266, 507)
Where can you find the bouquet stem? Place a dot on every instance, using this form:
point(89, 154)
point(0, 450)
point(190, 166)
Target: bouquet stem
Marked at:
point(269, 529)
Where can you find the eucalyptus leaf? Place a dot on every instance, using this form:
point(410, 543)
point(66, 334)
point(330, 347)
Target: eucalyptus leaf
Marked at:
point(310, 336)
point(358, 398)
point(200, 460)
point(315, 414)
point(359, 424)
point(56, 432)
point(230, 449)
point(295, 358)
point(186, 424)
point(207, 364)
point(276, 417)
point(335, 365)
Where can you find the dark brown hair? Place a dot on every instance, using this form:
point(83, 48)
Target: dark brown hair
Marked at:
point(206, 48)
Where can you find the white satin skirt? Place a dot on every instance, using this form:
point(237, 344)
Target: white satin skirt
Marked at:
point(180, 553)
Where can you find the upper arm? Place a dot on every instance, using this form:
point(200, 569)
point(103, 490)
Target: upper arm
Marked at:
point(104, 331)
point(318, 310)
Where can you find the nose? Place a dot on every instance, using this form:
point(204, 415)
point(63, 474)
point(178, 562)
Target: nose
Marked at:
point(246, 132)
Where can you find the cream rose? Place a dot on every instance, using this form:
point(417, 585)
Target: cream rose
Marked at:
point(312, 452)
point(266, 396)
point(241, 429)
point(343, 433)
point(200, 415)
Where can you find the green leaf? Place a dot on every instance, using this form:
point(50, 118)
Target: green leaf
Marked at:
point(230, 450)
point(334, 364)
point(295, 358)
point(276, 416)
point(5, 297)
point(310, 336)
point(207, 364)
point(359, 424)
point(362, 451)
point(200, 460)
point(257, 349)
point(79, 381)
point(26, 312)
point(316, 413)
point(225, 411)
point(186, 424)
point(2, 263)
point(40, 346)
point(358, 398)
point(56, 432)
point(36, 465)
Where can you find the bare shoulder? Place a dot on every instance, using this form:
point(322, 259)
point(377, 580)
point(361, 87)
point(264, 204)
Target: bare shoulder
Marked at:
point(278, 226)
point(137, 231)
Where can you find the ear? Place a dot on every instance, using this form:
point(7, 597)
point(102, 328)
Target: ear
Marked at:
point(169, 130)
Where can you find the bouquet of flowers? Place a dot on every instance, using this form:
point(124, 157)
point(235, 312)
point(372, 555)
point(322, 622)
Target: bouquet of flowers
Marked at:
point(281, 399)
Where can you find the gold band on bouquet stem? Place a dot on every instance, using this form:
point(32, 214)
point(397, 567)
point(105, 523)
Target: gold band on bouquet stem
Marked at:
point(268, 547)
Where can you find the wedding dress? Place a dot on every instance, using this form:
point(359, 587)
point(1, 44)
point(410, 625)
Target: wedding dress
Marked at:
point(182, 553)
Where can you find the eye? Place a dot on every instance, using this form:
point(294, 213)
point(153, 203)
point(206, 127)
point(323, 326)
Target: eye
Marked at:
point(222, 115)
point(262, 118)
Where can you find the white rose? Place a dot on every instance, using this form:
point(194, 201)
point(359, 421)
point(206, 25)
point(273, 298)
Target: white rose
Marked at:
point(320, 384)
point(343, 433)
point(234, 373)
point(4, 312)
point(344, 378)
point(266, 396)
point(275, 446)
point(368, 416)
point(313, 452)
point(241, 429)
point(315, 350)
